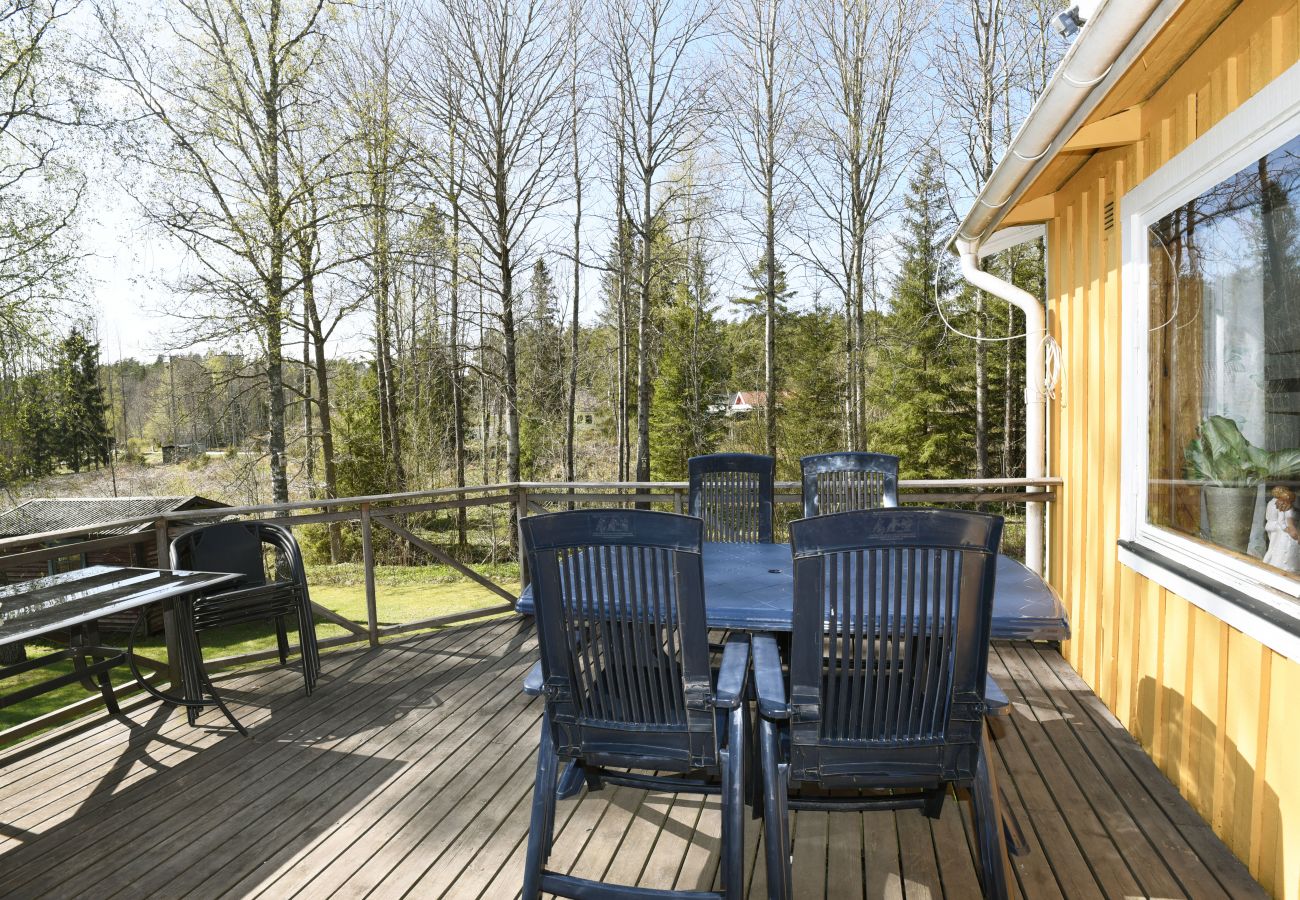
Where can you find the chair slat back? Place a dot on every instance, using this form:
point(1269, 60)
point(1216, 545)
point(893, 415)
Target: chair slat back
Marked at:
point(733, 494)
point(842, 482)
point(621, 627)
point(223, 547)
point(892, 613)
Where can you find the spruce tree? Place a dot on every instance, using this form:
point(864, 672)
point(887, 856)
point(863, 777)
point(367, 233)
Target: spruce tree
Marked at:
point(690, 383)
point(812, 419)
point(79, 411)
point(923, 385)
point(541, 371)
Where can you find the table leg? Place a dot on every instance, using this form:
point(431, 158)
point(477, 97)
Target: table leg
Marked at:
point(90, 639)
point(193, 678)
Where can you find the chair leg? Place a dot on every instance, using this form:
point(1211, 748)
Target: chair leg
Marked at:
point(986, 806)
point(733, 806)
point(776, 814)
point(282, 641)
point(543, 814)
point(307, 649)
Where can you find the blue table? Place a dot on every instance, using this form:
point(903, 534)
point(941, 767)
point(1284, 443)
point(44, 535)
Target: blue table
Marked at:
point(749, 587)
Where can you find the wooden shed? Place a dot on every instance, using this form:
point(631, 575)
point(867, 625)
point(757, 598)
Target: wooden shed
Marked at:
point(1162, 170)
point(98, 517)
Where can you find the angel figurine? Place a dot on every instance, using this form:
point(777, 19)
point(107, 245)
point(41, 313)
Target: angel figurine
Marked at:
point(1280, 525)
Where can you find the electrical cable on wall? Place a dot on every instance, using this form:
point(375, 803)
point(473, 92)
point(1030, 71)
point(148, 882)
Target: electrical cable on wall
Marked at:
point(1051, 348)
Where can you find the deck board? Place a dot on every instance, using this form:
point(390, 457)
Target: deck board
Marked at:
point(409, 772)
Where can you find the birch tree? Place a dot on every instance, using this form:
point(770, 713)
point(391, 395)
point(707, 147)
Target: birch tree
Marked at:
point(501, 78)
point(224, 101)
point(986, 76)
point(666, 114)
point(762, 88)
point(373, 86)
point(40, 187)
point(859, 57)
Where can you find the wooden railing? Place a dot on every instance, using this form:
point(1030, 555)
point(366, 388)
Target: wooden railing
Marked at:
point(385, 512)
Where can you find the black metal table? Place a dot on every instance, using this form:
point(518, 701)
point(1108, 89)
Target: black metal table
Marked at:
point(76, 600)
point(750, 587)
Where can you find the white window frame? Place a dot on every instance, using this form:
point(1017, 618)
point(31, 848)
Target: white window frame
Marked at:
point(1263, 123)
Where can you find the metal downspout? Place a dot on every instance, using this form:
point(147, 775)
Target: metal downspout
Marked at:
point(1035, 392)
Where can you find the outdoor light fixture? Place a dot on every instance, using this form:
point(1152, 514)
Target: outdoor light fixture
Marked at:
point(1068, 22)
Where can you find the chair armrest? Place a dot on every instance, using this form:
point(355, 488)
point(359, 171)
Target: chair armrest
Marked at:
point(733, 673)
point(533, 681)
point(995, 699)
point(769, 680)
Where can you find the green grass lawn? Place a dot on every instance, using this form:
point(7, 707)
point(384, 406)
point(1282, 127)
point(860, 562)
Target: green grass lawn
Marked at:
point(403, 594)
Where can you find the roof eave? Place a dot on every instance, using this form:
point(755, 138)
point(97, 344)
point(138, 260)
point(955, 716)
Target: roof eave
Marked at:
point(1116, 35)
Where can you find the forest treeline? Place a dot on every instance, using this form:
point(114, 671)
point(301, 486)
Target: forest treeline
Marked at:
point(430, 242)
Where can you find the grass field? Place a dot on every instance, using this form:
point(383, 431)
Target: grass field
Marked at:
point(402, 593)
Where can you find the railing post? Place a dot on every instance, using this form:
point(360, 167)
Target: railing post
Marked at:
point(521, 510)
point(677, 500)
point(368, 564)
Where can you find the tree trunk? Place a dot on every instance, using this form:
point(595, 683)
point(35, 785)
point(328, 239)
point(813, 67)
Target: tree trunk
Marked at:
point(308, 441)
point(457, 384)
point(274, 318)
point(275, 384)
point(570, 468)
point(769, 343)
point(643, 335)
point(323, 411)
point(769, 222)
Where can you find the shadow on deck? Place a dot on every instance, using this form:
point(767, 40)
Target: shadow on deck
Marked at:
point(410, 770)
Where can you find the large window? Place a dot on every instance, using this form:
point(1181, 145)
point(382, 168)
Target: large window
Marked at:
point(1224, 358)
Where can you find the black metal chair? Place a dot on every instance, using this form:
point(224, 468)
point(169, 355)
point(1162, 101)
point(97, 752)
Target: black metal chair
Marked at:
point(888, 670)
point(238, 547)
point(842, 482)
point(732, 493)
point(625, 674)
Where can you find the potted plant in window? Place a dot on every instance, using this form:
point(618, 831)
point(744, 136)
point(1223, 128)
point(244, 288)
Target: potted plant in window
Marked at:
point(1231, 469)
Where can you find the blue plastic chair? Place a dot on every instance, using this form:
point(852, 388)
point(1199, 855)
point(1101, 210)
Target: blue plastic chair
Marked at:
point(732, 493)
point(887, 676)
point(625, 674)
point(843, 482)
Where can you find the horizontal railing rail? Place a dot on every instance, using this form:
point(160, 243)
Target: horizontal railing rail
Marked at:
point(386, 512)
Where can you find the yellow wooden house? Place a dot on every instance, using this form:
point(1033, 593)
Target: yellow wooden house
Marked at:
point(1162, 169)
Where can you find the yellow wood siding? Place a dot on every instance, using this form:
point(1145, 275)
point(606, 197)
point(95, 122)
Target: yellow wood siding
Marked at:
point(1218, 712)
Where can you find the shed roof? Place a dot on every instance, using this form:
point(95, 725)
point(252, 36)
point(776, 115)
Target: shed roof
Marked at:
point(60, 513)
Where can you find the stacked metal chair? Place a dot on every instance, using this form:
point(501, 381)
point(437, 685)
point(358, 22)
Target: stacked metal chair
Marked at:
point(239, 547)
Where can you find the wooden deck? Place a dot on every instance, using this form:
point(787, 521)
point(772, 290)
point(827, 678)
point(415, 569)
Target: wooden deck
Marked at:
point(410, 770)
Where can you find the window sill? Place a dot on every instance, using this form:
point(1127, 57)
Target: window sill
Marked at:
point(1268, 621)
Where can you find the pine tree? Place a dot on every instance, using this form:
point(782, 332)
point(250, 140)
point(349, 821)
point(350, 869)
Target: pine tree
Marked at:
point(923, 386)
